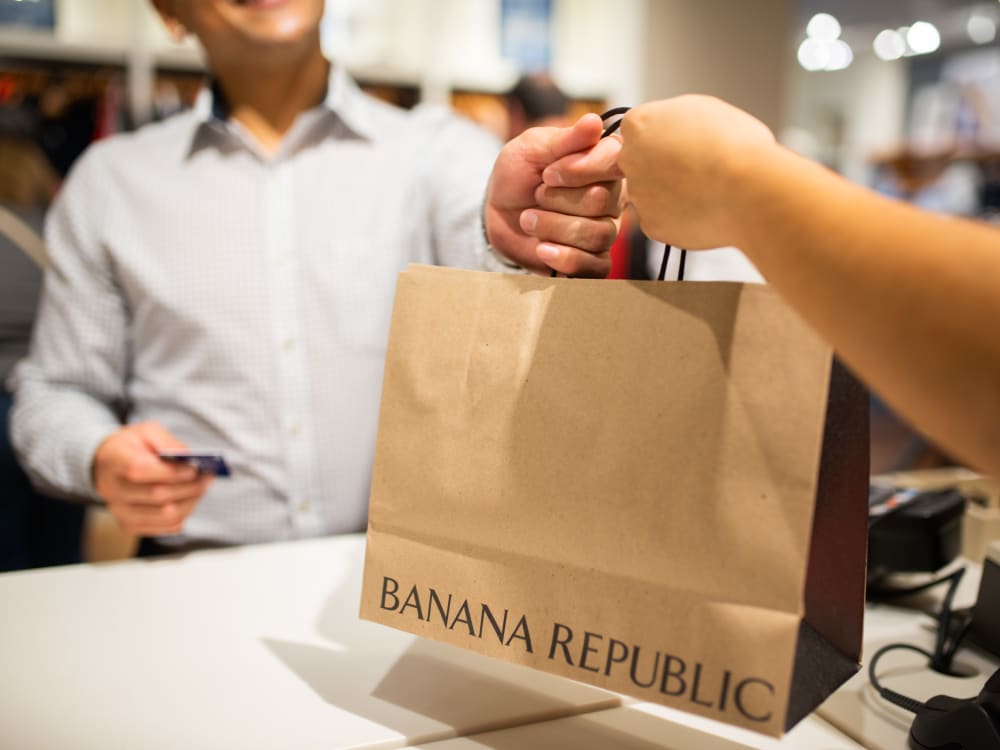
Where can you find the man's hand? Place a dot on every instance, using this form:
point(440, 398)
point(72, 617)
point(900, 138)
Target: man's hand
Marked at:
point(693, 164)
point(148, 496)
point(555, 199)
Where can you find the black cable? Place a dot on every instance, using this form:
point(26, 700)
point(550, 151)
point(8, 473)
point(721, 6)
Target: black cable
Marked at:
point(893, 593)
point(944, 648)
point(944, 651)
point(903, 701)
point(956, 641)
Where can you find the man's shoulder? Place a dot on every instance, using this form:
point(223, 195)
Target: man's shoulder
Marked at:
point(119, 161)
point(169, 138)
point(424, 124)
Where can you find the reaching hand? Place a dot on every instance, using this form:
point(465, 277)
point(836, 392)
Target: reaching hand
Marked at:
point(147, 495)
point(691, 163)
point(555, 199)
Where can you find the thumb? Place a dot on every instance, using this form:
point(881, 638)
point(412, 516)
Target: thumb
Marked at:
point(580, 136)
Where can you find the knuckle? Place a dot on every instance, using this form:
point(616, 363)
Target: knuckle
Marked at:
point(607, 234)
point(595, 200)
point(597, 235)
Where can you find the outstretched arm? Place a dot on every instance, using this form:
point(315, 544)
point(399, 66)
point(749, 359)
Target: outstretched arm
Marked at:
point(909, 299)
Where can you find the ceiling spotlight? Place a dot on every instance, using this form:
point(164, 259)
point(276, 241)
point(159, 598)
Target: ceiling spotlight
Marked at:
point(840, 55)
point(981, 28)
point(823, 27)
point(889, 45)
point(813, 54)
point(923, 38)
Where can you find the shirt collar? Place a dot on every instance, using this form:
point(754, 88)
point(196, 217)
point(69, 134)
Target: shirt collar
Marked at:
point(351, 105)
point(343, 99)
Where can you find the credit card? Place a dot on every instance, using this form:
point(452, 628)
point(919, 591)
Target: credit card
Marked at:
point(205, 463)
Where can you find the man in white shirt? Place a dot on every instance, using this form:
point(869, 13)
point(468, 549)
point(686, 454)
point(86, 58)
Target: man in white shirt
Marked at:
point(223, 280)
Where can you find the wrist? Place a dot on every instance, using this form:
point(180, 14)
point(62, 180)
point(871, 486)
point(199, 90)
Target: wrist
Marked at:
point(747, 191)
point(762, 176)
point(498, 255)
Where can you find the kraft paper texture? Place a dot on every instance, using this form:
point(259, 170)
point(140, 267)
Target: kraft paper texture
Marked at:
point(657, 488)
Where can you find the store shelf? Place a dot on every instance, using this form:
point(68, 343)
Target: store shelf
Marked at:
point(29, 44)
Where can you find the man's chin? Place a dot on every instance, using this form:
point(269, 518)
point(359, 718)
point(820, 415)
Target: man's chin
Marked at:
point(263, 49)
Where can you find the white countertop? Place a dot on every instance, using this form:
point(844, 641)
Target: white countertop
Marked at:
point(253, 647)
point(261, 647)
point(645, 726)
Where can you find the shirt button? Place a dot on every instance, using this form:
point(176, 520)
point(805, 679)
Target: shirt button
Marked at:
point(295, 429)
point(305, 506)
point(288, 344)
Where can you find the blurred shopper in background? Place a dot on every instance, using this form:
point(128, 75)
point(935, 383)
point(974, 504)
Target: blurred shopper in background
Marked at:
point(223, 280)
point(35, 530)
point(536, 100)
point(909, 299)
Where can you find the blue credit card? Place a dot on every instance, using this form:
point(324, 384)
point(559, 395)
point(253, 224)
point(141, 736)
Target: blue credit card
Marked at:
point(205, 463)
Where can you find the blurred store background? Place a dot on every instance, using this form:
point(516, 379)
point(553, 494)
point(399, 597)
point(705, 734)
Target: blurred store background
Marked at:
point(901, 95)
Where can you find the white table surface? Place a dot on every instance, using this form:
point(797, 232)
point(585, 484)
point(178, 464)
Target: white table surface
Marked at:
point(253, 647)
point(645, 726)
point(261, 647)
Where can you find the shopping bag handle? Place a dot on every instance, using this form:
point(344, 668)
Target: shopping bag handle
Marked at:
point(666, 258)
point(612, 120)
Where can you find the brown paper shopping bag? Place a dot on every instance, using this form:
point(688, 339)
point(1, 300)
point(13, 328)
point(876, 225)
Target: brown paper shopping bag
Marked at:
point(657, 488)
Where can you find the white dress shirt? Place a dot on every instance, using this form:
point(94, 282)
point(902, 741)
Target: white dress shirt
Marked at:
point(720, 264)
point(243, 300)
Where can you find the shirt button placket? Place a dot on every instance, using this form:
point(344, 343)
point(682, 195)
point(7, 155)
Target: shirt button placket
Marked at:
point(293, 371)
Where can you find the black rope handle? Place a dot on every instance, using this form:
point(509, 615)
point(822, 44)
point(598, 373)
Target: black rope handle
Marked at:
point(661, 276)
point(615, 115)
point(663, 263)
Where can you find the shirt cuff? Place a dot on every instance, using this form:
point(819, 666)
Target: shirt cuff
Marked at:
point(79, 459)
point(494, 260)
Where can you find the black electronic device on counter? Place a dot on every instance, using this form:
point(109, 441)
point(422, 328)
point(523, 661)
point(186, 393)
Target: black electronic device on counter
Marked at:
point(984, 630)
point(946, 723)
point(913, 531)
